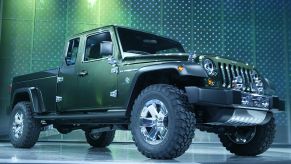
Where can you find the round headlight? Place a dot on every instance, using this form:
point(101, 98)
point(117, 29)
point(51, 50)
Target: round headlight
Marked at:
point(209, 66)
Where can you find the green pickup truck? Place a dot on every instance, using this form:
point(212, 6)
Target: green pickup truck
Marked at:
point(116, 78)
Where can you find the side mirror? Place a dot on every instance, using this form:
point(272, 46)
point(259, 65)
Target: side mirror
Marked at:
point(106, 48)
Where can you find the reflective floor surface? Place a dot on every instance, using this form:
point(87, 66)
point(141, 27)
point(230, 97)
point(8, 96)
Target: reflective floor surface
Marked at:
point(53, 152)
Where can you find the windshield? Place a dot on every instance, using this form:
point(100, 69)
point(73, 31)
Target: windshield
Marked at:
point(135, 43)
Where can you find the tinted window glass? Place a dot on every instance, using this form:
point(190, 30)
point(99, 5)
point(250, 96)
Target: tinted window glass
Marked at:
point(72, 51)
point(142, 43)
point(93, 45)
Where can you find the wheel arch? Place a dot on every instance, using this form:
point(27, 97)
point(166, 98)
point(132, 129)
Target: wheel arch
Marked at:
point(164, 74)
point(30, 94)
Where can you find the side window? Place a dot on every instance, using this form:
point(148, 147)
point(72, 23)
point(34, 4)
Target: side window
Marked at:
point(97, 46)
point(72, 51)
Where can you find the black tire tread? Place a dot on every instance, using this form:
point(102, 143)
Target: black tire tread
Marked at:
point(31, 128)
point(185, 122)
point(104, 140)
point(259, 144)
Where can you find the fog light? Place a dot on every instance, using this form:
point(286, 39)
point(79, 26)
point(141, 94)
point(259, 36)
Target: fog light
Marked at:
point(180, 68)
point(210, 82)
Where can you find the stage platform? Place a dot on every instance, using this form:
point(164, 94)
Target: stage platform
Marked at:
point(68, 152)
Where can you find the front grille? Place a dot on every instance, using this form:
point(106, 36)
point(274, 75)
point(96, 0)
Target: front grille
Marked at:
point(228, 72)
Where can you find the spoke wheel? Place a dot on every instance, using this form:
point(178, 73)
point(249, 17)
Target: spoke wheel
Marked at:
point(17, 125)
point(242, 135)
point(249, 141)
point(154, 121)
point(161, 123)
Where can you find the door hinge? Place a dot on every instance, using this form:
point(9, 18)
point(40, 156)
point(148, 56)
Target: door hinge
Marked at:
point(113, 93)
point(60, 79)
point(114, 70)
point(59, 99)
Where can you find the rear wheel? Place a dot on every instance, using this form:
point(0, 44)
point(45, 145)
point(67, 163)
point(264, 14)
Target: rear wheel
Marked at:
point(249, 141)
point(102, 139)
point(161, 123)
point(63, 129)
point(24, 129)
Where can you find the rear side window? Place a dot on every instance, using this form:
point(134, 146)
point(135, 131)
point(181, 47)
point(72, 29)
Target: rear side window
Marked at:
point(93, 45)
point(72, 51)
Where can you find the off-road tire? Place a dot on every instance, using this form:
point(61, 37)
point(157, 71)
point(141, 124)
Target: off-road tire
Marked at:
point(31, 126)
point(104, 139)
point(181, 122)
point(259, 144)
point(64, 130)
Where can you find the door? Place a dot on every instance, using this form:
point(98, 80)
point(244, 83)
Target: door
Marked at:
point(68, 78)
point(97, 80)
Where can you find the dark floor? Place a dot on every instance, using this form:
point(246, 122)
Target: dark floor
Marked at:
point(52, 152)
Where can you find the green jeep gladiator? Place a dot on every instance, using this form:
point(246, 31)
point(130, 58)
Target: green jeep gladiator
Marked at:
point(116, 78)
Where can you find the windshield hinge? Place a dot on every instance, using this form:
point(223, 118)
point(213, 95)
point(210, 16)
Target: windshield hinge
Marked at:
point(60, 79)
point(59, 99)
point(113, 93)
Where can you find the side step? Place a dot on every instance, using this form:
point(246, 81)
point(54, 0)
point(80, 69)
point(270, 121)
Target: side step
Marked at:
point(114, 117)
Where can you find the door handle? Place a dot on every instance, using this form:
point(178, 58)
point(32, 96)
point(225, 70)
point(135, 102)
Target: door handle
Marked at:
point(83, 73)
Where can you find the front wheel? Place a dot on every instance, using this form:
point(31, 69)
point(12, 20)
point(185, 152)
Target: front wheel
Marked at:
point(161, 123)
point(249, 141)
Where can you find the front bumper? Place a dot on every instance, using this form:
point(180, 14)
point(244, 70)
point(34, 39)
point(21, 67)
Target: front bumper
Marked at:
point(233, 98)
point(229, 107)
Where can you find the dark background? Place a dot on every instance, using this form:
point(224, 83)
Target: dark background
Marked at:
point(33, 32)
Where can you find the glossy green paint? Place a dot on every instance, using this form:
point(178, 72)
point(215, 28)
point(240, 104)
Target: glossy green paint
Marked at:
point(44, 81)
point(93, 92)
point(94, 89)
point(129, 68)
point(68, 88)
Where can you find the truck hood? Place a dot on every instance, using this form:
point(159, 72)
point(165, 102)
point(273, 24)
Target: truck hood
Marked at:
point(131, 59)
point(137, 59)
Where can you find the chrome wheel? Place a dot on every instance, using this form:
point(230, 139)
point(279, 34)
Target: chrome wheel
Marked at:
point(17, 125)
point(242, 135)
point(154, 121)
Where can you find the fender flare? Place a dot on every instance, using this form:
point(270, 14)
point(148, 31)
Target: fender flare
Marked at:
point(35, 97)
point(190, 69)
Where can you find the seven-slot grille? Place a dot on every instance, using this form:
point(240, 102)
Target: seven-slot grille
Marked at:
point(229, 71)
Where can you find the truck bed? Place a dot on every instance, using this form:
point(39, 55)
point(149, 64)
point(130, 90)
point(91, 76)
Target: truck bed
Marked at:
point(44, 81)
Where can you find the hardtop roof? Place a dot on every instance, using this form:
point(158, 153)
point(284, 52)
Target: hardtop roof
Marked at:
point(115, 27)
